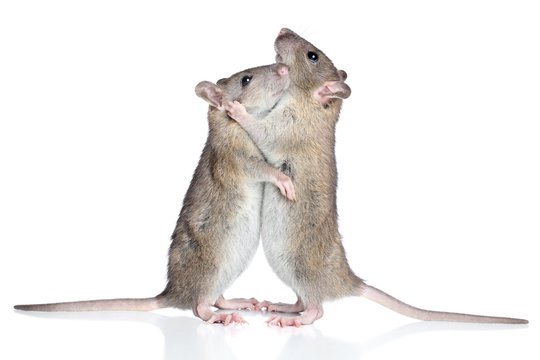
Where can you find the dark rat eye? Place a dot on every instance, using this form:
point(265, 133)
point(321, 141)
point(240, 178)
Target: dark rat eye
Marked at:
point(313, 57)
point(246, 79)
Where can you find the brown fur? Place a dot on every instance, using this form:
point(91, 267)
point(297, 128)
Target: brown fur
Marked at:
point(217, 231)
point(320, 267)
point(299, 139)
point(301, 239)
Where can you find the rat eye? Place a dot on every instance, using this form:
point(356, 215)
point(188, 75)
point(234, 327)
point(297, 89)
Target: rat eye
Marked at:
point(313, 57)
point(246, 79)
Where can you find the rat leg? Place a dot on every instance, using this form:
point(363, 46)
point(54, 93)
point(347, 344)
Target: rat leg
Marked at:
point(204, 311)
point(313, 312)
point(236, 304)
point(268, 306)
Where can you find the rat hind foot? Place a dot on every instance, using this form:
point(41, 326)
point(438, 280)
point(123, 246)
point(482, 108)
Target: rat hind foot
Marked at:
point(312, 313)
point(280, 307)
point(226, 319)
point(203, 311)
point(236, 304)
point(283, 321)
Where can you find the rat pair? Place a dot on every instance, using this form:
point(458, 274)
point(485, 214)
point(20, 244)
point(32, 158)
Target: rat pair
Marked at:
point(268, 170)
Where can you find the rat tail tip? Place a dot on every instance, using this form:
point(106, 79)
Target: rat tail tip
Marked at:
point(396, 305)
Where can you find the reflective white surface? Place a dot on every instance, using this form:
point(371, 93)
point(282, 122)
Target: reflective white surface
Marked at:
point(175, 336)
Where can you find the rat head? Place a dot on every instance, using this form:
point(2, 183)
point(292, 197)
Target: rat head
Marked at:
point(259, 89)
point(311, 70)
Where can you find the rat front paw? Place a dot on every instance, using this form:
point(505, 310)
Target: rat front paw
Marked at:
point(237, 111)
point(285, 186)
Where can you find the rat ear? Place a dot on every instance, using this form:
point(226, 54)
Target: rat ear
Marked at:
point(342, 75)
point(332, 89)
point(210, 92)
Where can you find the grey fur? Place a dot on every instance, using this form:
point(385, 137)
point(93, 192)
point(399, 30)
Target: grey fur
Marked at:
point(217, 232)
point(301, 239)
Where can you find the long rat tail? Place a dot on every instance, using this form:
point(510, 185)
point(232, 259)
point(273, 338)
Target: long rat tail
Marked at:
point(392, 303)
point(146, 304)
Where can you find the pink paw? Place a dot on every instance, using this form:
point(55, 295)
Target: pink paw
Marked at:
point(226, 319)
point(280, 307)
point(248, 304)
point(244, 304)
point(283, 321)
point(285, 186)
point(263, 306)
point(268, 306)
point(236, 111)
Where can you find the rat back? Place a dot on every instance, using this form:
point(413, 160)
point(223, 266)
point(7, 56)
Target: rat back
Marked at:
point(217, 232)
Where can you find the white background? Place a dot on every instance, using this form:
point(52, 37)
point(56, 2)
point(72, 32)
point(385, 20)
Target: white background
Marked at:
point(438, 156)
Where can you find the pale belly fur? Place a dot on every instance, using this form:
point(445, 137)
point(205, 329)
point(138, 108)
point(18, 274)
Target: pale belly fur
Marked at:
point(275, 237)
point(242, 240)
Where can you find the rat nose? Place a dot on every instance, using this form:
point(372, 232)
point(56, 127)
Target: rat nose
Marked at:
point(283, 32)
point(282, 69)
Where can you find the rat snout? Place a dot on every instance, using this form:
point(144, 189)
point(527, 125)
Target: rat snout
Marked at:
point(279, 80)
point(284, 31)
point(285, 44)
point(287, 33)
point(282, 69)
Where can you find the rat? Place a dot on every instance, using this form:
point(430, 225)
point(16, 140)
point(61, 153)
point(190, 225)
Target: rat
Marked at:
point(218, 229)
point(301, 240)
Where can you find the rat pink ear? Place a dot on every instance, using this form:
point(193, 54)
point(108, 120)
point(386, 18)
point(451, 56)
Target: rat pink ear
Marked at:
point(333, 89)
point(210, 92)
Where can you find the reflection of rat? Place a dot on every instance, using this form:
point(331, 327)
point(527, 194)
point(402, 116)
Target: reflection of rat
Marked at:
point(301, 239)
point(218, 229)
